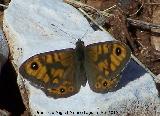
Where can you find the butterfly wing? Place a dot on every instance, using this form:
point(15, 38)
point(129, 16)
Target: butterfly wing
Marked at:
point(55, 72)
point(103, 63)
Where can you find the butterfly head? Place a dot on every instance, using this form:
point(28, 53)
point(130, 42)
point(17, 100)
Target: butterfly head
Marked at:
point(79, 43)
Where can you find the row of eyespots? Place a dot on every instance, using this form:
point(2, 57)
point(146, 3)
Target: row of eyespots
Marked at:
point(105, 84)
point(65, 88)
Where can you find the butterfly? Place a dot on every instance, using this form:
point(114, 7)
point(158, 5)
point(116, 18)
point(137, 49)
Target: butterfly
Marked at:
point(61, 73)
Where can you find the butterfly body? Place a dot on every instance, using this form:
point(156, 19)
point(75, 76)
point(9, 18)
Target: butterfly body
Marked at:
point(61, 73)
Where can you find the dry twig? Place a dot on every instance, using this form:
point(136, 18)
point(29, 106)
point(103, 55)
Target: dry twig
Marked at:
point(151, 3)
point(81, 5)
point(143, 24)
point(134, 22)
point(3, 5)
point(89, 8)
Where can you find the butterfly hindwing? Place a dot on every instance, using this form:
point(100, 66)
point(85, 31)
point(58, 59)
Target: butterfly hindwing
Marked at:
point(103, 63)
point(54, 72)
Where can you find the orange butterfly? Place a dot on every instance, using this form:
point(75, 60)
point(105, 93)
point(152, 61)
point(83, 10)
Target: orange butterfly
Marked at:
point(61, 73)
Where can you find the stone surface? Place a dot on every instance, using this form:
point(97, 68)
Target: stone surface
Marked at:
point(33, 27)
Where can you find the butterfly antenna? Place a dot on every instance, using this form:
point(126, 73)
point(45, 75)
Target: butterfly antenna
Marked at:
point(84, 35)
point(64, 32)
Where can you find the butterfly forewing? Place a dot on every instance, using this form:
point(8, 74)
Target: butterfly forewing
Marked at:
point(103, 63)
point(55, 72)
